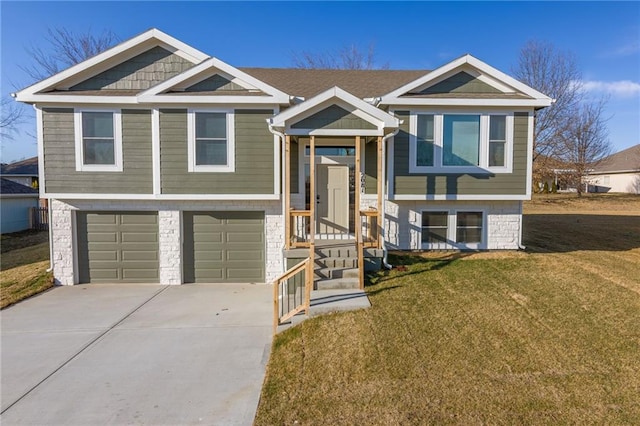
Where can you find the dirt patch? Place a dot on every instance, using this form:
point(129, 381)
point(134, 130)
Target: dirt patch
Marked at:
point(18, 240)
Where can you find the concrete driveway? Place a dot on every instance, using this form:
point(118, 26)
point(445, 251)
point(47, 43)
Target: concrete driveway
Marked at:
point(136, 354)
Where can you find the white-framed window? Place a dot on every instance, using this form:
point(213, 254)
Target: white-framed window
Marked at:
point(461, 142)
point(453, 229)
point(98, 140)
point(211, 140)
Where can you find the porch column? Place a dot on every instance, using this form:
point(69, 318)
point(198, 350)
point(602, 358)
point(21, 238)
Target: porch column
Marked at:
point(287, 191)
point(380, 192)
point(359, 242)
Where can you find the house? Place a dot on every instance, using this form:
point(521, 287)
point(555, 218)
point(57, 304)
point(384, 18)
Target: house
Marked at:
point(24, 172)
point(620, 172)
point(16, 201)
point(164, 164)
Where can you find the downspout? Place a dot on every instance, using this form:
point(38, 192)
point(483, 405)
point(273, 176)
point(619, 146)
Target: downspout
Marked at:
point(520, 246)
point(282, 181)
point(385, 253)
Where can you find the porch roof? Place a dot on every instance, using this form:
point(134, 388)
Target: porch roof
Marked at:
point(379, 119)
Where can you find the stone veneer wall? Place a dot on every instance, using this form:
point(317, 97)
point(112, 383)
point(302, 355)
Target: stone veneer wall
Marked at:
point(170, 232)
point(403, 222)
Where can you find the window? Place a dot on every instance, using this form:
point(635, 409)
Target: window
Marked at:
point(98, 140)
point(425, 140)
point(464, 143)
point(451, 229)
point(434, 227)
point(469, 227)
point(211, 141)
point(497, 140)
point(461, 140)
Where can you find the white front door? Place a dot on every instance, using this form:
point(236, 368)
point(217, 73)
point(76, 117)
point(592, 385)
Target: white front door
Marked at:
point(332, 201)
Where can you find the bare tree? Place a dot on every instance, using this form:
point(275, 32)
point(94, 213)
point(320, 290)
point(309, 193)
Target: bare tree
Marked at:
point(556, 74)
point(585, 140)
point(348, 57)
point(64, 49)
point(11, 115)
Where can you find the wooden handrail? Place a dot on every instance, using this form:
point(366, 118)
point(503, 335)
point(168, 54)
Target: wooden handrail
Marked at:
point(306, 266)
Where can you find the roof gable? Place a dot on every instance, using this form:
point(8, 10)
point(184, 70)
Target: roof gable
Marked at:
point(331, 113)
point(215, 82)
point(96, 66)
point(467, 80)
point(138, 73)
point(627, 160)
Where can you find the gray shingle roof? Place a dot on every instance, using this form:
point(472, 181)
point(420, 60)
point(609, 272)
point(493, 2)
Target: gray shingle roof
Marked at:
point(310, 82)
point(28, 167)
point(9, 187)
point(625, 160)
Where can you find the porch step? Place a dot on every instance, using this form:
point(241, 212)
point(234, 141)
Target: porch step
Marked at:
point(332, 273)
point(337, 283)
point(337, 262)
point(341, 251)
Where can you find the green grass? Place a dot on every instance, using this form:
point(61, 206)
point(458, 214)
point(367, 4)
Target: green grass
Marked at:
point(550, 336)
point(24, 262)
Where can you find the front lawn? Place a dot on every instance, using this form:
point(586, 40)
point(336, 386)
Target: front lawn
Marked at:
point(23, 266)
point(546, 336)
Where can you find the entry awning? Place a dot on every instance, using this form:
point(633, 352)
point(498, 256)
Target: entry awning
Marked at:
point(335, 112)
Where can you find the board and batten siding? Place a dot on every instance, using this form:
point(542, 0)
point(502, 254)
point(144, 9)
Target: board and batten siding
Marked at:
point(371, 167)
point(254, 157)
point(514, 183)
point(60, 157)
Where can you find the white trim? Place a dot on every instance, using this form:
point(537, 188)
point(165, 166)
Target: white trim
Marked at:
point(391, 152)
point(452, 228)
point(40, 142)
point(74, 245)
point(163, 197)
point(33, 195)
point(218, 100)
point(438, 142)
point(334, 132)
point(394, 97)
point(277, 172)
point(117, 142)
point(155, 150)
point(194, 55)
point(530, 127)
point(209, 68)
point(384, 119)
point(230, 167)
point(458, 197)
point(468, 102)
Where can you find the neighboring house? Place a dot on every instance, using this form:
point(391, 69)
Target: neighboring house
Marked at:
point(24, 172)
point(166, 165)
point(16, 201)
point(620, 172)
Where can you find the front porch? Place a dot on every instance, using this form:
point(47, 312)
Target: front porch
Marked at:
point(333, 176)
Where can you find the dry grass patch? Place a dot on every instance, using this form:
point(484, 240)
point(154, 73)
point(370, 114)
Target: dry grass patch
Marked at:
point(550, 336)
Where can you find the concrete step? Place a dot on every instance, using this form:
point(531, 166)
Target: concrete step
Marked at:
point(327, 301)
point(337, 262)
point(337, 283)
point(331, 273)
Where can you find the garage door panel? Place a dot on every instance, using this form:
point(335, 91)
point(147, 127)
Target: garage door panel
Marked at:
point(139, 237)
point(139, 255)
point(219, 246)
point(118, 246)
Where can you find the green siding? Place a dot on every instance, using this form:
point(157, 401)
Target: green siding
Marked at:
point(60, 162)
point(371, 167)
point(254, 157)
point(215, 83)
point(461, 83)
point(118, 247)
point(462, 184)
point(295, 166)
point(138, 73)
point(224, 247)
point(333, 117)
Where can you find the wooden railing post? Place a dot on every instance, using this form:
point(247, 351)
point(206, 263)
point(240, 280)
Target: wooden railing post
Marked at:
point(380, 194)
point(287, 191)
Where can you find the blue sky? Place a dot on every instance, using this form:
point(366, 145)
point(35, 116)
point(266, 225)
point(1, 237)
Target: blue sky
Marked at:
point(604, 36)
